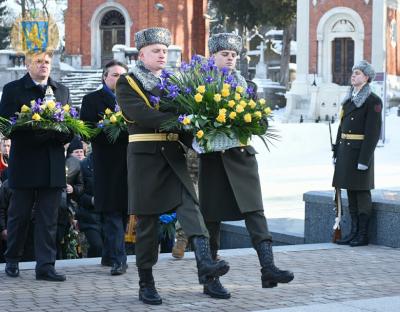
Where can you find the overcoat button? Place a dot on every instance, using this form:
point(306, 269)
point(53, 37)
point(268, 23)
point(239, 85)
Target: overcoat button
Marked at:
point(349, 131)
point(352, 118)
point(162, 148)
point(348, 143)
point(242, 150)
point(223, 151)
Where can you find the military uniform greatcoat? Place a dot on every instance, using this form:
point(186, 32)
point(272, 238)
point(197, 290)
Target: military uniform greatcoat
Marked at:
point(156, 169)
point(365, 120)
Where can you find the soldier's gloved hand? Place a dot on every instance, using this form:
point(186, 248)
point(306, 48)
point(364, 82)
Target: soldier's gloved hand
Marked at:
point(362, 167)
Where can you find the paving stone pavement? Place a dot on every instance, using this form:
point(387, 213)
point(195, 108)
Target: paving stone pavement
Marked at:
point(325, 275)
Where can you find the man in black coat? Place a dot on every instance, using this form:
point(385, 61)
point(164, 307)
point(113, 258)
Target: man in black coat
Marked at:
point(110, 171)
point(357, 137)
point(229, 184)
point(36, 170)
point(158, 178)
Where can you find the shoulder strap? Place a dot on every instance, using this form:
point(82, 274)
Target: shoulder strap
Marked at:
point(135, 87)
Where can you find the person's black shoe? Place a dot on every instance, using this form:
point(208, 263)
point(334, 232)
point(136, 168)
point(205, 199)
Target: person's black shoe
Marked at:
point(106, 262)
point(214, 289)
point(149, 295)
point(51, 276)
point(118, 268)
point(12, 269)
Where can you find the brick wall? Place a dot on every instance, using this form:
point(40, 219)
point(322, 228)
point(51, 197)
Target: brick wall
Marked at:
point(392, 51)
point(364, 10)
point(184, 18)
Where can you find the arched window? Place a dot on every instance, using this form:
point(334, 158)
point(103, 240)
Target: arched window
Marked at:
point(112, 28)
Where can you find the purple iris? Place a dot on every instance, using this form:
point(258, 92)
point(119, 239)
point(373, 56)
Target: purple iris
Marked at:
point(117, 108)
point(173, 91)
point(13, 120)
point(250, 90)
point(161, 86)
point(154, 100)
point(224, 71)
point(58, 105)
point(165, 74)
point(59, 116)
point(196, 59)
point(36, 107)
point(230, 79)
point(168, 218)
point(204, 67)
point(185, 67)
point(188, 90)
point(181, 118)
point(209, 79)
point(73, 112)
point(100, 125)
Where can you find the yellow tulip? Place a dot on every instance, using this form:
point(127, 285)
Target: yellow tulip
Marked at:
point(247, 117)
point(199, 134)
point(217, 97)
point(113, 119)
point(201, 89)
point(257, 114)
point(43, 106)
point(198, 97)
point(25, 109)
point(239, 89)
point(226, 86)
point(267, 111)
point(252, 104)
point(239, 109)
point(119, 113)
point(108, 111)
point(36, 117)
point(231, 103)
point(232, 115)
point(237, 96)
point(225, 92)
point(51, 104)
point(222, 111)
point(261, 101)
point(33, 102)
point(66, 108)
point(243, 103)
point(186, 121)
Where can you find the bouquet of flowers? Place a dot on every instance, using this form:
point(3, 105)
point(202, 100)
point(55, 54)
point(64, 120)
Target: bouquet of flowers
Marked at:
point(213, 107)
point(167, 228)
point(46, 115)
point(112, 124)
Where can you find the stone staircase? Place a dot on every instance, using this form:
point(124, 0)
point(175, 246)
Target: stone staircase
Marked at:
point(80, 83)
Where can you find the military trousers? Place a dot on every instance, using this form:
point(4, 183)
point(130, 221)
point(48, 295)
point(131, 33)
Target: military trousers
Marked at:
point(360, 202)
point(256, 225)
point(148, 226)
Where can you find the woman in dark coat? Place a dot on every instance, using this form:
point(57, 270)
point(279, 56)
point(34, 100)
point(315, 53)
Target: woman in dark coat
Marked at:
point(110, 171)
point(357, 137)
point(229, 185)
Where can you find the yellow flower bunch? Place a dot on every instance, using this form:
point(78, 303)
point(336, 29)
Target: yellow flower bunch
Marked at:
point(112, 124)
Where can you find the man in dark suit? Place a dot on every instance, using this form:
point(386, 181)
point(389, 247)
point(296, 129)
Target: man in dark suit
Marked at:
point(36, 170)
point(110, 171)
point(357, 137)
point(157, 174)
point(229, 184)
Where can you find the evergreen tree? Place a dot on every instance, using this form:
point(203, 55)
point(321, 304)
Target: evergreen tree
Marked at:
point(4, 29)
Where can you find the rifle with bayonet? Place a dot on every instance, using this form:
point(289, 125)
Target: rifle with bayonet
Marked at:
point(337, 232)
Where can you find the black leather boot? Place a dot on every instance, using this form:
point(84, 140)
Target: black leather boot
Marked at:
point(362, 237)
point(147, 291)
point(12, 269)
point(207, 267)
point(214, 289)
point(270, 274)
point(353, 232)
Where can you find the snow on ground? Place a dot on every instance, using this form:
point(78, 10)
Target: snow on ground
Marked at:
point(301, 161)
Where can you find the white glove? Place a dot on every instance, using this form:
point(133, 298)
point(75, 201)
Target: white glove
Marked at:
point(362, 167)
point(196, 147)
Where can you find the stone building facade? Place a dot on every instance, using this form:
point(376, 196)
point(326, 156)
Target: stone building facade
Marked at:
point(93, 27)
point(332, 35)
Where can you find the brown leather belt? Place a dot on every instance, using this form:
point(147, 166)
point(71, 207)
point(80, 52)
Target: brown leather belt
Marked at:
point(146, 137)
point(349, 136)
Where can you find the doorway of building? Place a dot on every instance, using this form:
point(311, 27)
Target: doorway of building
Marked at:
point(342, 60)
point(112, 32)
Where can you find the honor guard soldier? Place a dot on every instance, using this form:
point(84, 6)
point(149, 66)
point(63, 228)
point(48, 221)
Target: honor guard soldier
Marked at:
point(357, 137)
point(158, 180)
point(229, 185)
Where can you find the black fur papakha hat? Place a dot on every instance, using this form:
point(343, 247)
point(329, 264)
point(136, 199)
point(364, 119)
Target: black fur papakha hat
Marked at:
point(154, 35)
